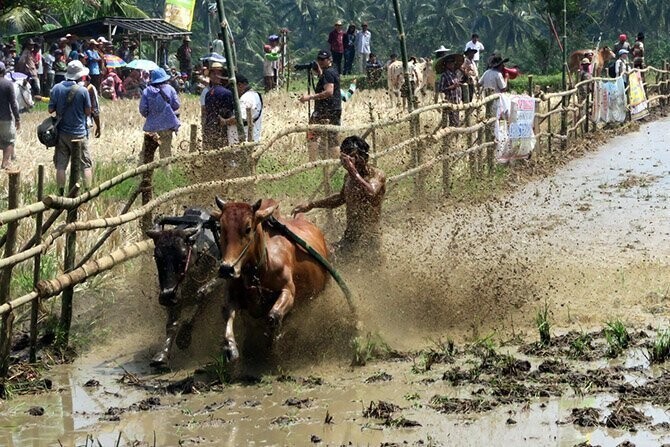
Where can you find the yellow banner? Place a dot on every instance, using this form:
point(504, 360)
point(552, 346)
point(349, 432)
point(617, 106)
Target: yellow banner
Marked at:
point(179, 13)
point(637, 96)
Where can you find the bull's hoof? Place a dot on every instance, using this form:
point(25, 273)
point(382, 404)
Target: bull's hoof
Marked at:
point(159, 361)
point(231, 352)
point(183, 339)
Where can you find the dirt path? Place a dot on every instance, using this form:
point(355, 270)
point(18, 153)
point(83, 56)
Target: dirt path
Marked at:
point(590, 241)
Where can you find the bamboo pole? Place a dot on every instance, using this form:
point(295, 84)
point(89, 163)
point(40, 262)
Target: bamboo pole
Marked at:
point(250, 125)
point(230, 63)
point(469, 119)
point(531, 86)
point(34, 308)
point(150, 144)
point(403, 55)
point(446, 166)
point(70, 249)
point(14, 185)
point(490, 137)
point(549, 140)
point(374, 132)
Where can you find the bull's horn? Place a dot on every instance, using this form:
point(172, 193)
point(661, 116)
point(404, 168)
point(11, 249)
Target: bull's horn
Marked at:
point(256, 206)
point(220, 202)
point(153, 234)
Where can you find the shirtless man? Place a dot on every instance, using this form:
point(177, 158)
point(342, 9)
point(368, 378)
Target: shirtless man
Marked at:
point(363, 193)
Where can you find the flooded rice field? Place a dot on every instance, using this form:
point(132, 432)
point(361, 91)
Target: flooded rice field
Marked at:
point(534, 319)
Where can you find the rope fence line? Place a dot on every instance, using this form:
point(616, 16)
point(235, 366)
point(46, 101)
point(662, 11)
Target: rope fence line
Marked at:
point(478, 126)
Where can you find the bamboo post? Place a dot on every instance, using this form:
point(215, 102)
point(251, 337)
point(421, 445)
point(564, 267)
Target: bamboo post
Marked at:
point(564, 79)
point(250, 125)
point(481, 136)
point(34, 306)
point(403, 54)
point(230, 63)
point(6, 277)
point(549, 115)
point(587, 107)
point(149, 145)
point(70, 249)
point(193, 145)
point(531, 86)
point(490, 112)
point(417, 156)
point(469, 121)
point(446, 165)
point(374, 132)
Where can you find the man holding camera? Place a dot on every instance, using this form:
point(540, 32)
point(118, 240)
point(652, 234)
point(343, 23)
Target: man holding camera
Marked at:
point(327, 106)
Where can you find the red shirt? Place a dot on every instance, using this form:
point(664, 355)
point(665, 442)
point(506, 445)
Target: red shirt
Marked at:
point(336, 41)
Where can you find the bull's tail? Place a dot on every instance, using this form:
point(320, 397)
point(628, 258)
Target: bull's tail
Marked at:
point(283, 229)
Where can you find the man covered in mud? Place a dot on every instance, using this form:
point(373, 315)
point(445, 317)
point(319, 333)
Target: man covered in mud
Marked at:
point(363, 193)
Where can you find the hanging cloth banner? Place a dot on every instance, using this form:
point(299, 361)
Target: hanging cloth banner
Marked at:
point(179, 13)
point(515, 135)
point(637, 96)
point(609, 101)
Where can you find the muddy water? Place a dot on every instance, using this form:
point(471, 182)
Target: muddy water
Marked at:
point(591, 241)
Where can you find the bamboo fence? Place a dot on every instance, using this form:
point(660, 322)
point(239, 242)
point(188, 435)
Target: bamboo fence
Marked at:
point(471, 144)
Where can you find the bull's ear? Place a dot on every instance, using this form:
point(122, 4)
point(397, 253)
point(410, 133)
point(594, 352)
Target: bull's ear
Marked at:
point(220, 203)
point(153, 234)
point(214, 216)
point(262, 214)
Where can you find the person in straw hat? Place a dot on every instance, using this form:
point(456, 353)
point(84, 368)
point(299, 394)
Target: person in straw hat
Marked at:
point(450, 86)
point(584, 75)
point(470, 71)
point(336, 42)
point(184, 54)
point(493, 81)
point(72, 105)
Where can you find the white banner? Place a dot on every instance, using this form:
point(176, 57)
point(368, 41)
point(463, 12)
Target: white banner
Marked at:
point(515, 135)
point(609, 101)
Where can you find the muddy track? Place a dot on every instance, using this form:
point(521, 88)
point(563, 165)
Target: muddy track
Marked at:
point(590, 242)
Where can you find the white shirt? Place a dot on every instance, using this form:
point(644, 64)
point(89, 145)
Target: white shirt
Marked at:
point(493, 80)
point(362, 42)
point(203, 96)
point(249, 100)
point(475, 46)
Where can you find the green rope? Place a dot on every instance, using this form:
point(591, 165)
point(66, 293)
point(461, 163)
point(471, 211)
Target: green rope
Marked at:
point(274, 223)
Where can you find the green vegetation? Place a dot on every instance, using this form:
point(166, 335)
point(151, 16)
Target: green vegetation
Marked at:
point(580, 345)
point(660, 349)
point(367, 348)
point(617, 337)
point(164, 180)
point(220, 368)
point(543, 326)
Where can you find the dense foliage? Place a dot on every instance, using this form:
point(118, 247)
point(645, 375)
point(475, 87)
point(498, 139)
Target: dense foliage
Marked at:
point(524, 30)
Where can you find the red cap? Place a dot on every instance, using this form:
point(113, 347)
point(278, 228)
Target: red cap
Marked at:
point(623, 37)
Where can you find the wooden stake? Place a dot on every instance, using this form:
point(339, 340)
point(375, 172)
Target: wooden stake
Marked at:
point(150, 144)
point(34, 306)
point(6, 277)
point(193, 146)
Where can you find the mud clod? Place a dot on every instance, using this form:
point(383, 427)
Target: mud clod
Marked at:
point(401, 422)
point(92, 383)
point(380, 410)
point(553, 366)
point(625, 416)
point(379, 377)
point(585, 417)
point(145, 404)
point(314, 439)
point(299, 403)
point(36, 411)
point(449, 405)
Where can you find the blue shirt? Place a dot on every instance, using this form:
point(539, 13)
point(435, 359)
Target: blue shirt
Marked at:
point(159, 111)
point(93, 61)
point(73, 116)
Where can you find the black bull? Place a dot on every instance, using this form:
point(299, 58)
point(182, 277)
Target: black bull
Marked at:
point(186, 259)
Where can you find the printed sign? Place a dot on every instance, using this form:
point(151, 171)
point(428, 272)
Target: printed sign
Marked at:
point(609, 101)
point(516, 137)
point(637, 96)
point(179, 13)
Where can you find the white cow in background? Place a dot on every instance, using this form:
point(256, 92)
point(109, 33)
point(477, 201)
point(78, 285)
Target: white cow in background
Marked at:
point(419, 72)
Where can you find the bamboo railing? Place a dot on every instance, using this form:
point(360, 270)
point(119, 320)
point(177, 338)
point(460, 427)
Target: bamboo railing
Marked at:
point(472, 145)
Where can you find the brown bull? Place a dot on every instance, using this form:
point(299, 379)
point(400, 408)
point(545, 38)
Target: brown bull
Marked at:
point(599, 59)
point(267, 273)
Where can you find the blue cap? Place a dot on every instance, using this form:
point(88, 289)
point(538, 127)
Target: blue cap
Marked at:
point(273, 37)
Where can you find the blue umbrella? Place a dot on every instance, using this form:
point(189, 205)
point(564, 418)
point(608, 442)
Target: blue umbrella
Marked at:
point(214, 57)
point(142, 64)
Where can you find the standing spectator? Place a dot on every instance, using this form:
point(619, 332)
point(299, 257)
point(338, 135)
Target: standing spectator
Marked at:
point(584, 75)
point(63, 46)
point(272, 53)
point(470, 71)
point(72, 104)
point(622, 44)
point(493, 81)
point(9, 58)
point(327, 107)
point(94, 61)
point(475, 44)
point(217, 45)
point(49, 72)
point(60, 66)
point(26, 65)
point(184, 56)
point(37, 57)
point(349, 49)
point(158, 105)
point(336, 42)
point(373, 70)
point(249, 99)
point(219, 106)
point(164, 55)
point(94, 117)
point(621, 65)
point(638, 51)
point(450, 85)
point(9, 118)
point(363, 38)
point(125, 52)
